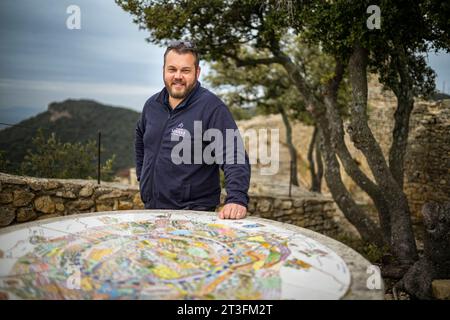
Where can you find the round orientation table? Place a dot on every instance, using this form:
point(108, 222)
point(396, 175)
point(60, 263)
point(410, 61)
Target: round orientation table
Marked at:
point(177, 254)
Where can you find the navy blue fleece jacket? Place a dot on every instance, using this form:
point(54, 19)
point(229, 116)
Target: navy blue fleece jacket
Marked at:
point(166, 185)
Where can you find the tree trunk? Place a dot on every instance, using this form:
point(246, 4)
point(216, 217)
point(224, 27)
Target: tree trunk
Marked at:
point(368, 230)
point(291, 147)
point(316, 174)
point(405, 104)
point(435, 263)
point(400, 138)
point(319, 166)
point(350, 165)
point(402, 236)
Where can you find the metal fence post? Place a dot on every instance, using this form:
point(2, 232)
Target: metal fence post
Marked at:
point(290, 180)
point(98, 157)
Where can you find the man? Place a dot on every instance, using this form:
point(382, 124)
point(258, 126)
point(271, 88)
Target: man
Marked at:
point(174, 113)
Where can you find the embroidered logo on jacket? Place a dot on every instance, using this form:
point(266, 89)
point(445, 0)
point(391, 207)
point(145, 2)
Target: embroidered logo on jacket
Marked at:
point(179, 131)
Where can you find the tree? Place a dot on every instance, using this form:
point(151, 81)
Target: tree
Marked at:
point(396, 53)
point(257, 87)
point(54, 159)
point(269, 89)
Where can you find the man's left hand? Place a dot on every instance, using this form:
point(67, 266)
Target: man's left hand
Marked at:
point(233, 211)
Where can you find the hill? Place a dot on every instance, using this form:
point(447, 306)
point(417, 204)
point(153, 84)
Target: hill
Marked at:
point(76, 121)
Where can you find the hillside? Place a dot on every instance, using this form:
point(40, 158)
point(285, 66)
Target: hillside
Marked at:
point(76, 121)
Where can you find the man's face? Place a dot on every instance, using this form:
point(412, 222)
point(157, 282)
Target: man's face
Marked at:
point(180, 74)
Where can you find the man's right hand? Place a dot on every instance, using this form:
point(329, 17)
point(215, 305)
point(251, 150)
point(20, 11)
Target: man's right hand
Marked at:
point(233, 211)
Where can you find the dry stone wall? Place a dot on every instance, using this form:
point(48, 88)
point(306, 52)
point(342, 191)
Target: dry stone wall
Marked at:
point(25, 199)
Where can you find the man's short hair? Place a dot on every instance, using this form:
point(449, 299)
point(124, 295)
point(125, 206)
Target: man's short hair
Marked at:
point(182, 47)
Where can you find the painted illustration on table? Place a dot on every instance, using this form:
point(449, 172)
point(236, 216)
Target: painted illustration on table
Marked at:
point(166, 256)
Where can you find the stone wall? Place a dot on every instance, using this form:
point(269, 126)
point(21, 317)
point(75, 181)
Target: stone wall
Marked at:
point(427, 163)
point(427, 159)
point(317, 214)
point(25, 198)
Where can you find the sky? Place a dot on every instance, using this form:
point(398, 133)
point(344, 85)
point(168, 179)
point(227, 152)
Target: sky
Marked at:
point(107, 59)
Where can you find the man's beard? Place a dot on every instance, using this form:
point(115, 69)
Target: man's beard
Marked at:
point(179, 94)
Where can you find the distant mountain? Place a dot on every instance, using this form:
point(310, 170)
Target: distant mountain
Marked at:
point(440, 96)
point(76, 121)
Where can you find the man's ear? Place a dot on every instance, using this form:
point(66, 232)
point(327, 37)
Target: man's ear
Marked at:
point(198, 72)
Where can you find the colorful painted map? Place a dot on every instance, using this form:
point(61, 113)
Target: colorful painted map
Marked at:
point(165, 255)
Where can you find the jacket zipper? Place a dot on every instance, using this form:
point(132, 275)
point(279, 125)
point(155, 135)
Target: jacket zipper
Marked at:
point(157, 154)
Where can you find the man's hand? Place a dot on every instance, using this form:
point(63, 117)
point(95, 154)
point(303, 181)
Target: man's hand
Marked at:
point(233, 211)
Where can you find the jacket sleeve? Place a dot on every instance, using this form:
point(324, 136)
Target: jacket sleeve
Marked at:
point(139, 144)
point(236, 165)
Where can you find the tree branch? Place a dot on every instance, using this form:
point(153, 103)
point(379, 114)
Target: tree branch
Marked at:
point(243, 62)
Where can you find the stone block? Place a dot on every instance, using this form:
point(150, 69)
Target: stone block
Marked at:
point(50, 184)
point(22, 198)
point(289, 211)
point(276, 213)
point(125, 205)
point(99, 191)
point(314, 208)
point(67, 194)
point(86, 191)
point(299, 210)
point(26, 214)
point(6, 197)
point(111, 195)
point(10, 179)
point(35, 185)
point(277, 204)
point(137, 201)
point(59, 207)
point(264, 206)
point(286, 204)
point(103, 207)
point(45, 204)
point(298, 203)
point(7, 216)
point(80, 205)
point(251, 206)
point(329, 206)
point(441, 289)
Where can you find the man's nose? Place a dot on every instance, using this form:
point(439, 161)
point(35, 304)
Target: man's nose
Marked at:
point(178, 74)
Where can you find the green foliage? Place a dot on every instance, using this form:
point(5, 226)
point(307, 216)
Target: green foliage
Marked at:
point(54, 159)
point(409, 29)
point(268, 88)
point(240, 113)
point(368, 250)
point(4, 163)
point(397, 51)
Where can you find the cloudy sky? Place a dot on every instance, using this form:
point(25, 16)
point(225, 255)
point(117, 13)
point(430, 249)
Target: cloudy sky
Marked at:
point(107, 60)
